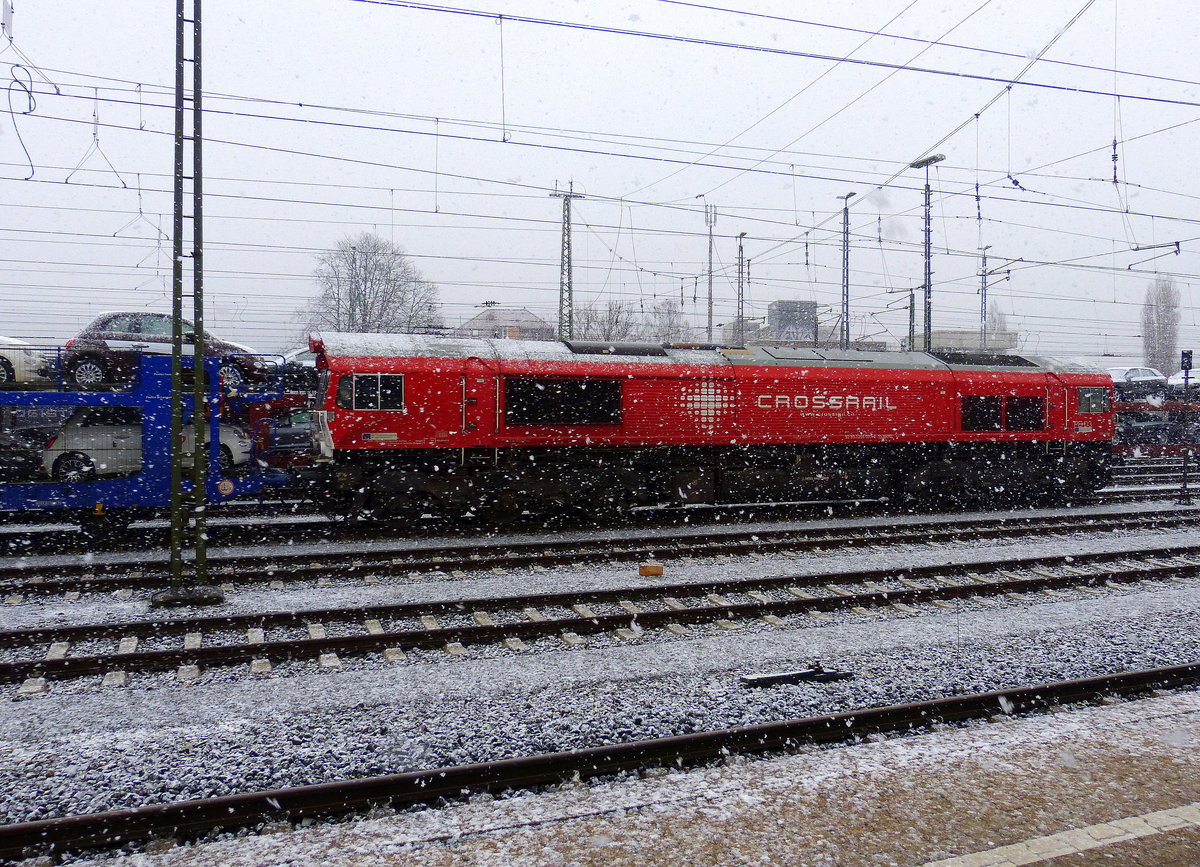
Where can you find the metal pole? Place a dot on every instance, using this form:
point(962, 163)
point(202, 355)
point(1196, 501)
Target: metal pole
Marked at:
point(983, 286)
point(199, 371)
point(1185, 496)
point(356, 292)
point(912, 320)
point(844, 342)
point(188, 512)
point(178, 517)
point(925, 164)
point(710, 220)
point(741, 322)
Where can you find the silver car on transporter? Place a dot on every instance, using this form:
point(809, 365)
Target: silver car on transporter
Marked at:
point(107, 441)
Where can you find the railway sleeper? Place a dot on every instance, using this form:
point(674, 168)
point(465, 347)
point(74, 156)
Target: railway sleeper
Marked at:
point(791, 584)
point(73, 667)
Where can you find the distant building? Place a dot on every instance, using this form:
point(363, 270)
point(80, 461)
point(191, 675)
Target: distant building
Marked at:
point(510, 323)
point(795, 324)
point(969, 339)
point(793, 320)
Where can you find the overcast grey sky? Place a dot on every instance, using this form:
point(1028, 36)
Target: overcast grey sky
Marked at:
point(447, 132)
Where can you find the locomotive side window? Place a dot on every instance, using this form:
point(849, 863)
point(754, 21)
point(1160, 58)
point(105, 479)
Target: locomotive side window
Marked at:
point(391, 391)
point(561, 401)
point(345, 393)
point(371, 391)
point(1094, 400)
point(366, 391)
point(981, 413)
point(1024, 413)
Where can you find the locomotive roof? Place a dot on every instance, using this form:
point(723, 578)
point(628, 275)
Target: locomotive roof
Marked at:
point(339, 344)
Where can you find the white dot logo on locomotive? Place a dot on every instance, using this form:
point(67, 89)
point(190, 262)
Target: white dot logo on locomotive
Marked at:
point(709, 402)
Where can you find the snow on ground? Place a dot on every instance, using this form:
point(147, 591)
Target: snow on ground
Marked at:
point(86, 749)
point(81, 748)
point(900, 801)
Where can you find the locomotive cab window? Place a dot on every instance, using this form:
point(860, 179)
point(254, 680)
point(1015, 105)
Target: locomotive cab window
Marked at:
point(371, 391)
point(981, 413)
point(561, 401)
point(1094, 400)
point(1024, 413)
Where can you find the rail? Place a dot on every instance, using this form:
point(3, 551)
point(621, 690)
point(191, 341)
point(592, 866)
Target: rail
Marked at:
point(189, 818)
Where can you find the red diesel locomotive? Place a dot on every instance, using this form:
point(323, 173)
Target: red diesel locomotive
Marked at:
point(412, 423)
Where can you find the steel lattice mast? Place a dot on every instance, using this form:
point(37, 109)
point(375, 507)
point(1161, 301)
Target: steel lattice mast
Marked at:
point(188, 507)
point(566, 290)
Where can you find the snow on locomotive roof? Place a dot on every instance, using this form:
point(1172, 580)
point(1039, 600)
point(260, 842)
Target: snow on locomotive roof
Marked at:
point(428, 345)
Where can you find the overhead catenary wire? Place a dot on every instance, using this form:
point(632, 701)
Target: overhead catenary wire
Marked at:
point(851, 102)
point(770, 50)
point(939, 43)
point(503, 182)
point(808, 86)
point(464, 213)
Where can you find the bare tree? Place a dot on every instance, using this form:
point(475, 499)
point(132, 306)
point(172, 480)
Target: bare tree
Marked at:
point(997, 319)
point(1160, 325)
point(615, 321)
point(368, 284)
point(667, 322)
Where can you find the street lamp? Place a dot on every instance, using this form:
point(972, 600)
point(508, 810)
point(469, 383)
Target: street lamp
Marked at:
point(925, 164)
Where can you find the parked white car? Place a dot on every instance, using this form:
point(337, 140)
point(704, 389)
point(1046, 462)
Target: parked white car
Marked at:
point(19, 361)
point(1134, 382)
point(1175, 384)
point(107, 441)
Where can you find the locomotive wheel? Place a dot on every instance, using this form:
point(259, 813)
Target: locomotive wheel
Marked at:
point(501, 508)
point(612, 502)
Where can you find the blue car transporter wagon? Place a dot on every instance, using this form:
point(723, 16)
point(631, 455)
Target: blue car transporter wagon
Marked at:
point(108, 495)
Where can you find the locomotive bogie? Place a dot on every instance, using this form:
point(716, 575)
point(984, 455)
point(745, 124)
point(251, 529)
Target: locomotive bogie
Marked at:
point(609, 481)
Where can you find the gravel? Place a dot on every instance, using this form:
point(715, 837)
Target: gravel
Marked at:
point(86, 750)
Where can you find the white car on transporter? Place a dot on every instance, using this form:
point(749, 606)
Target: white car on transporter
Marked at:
point(19, 361)
point(107, 441)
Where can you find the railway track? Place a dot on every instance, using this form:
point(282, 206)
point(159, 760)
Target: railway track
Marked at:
point(234, 522)
point(1149, 476)
point(21, 580)
point(190, 645)
point(188, 819)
